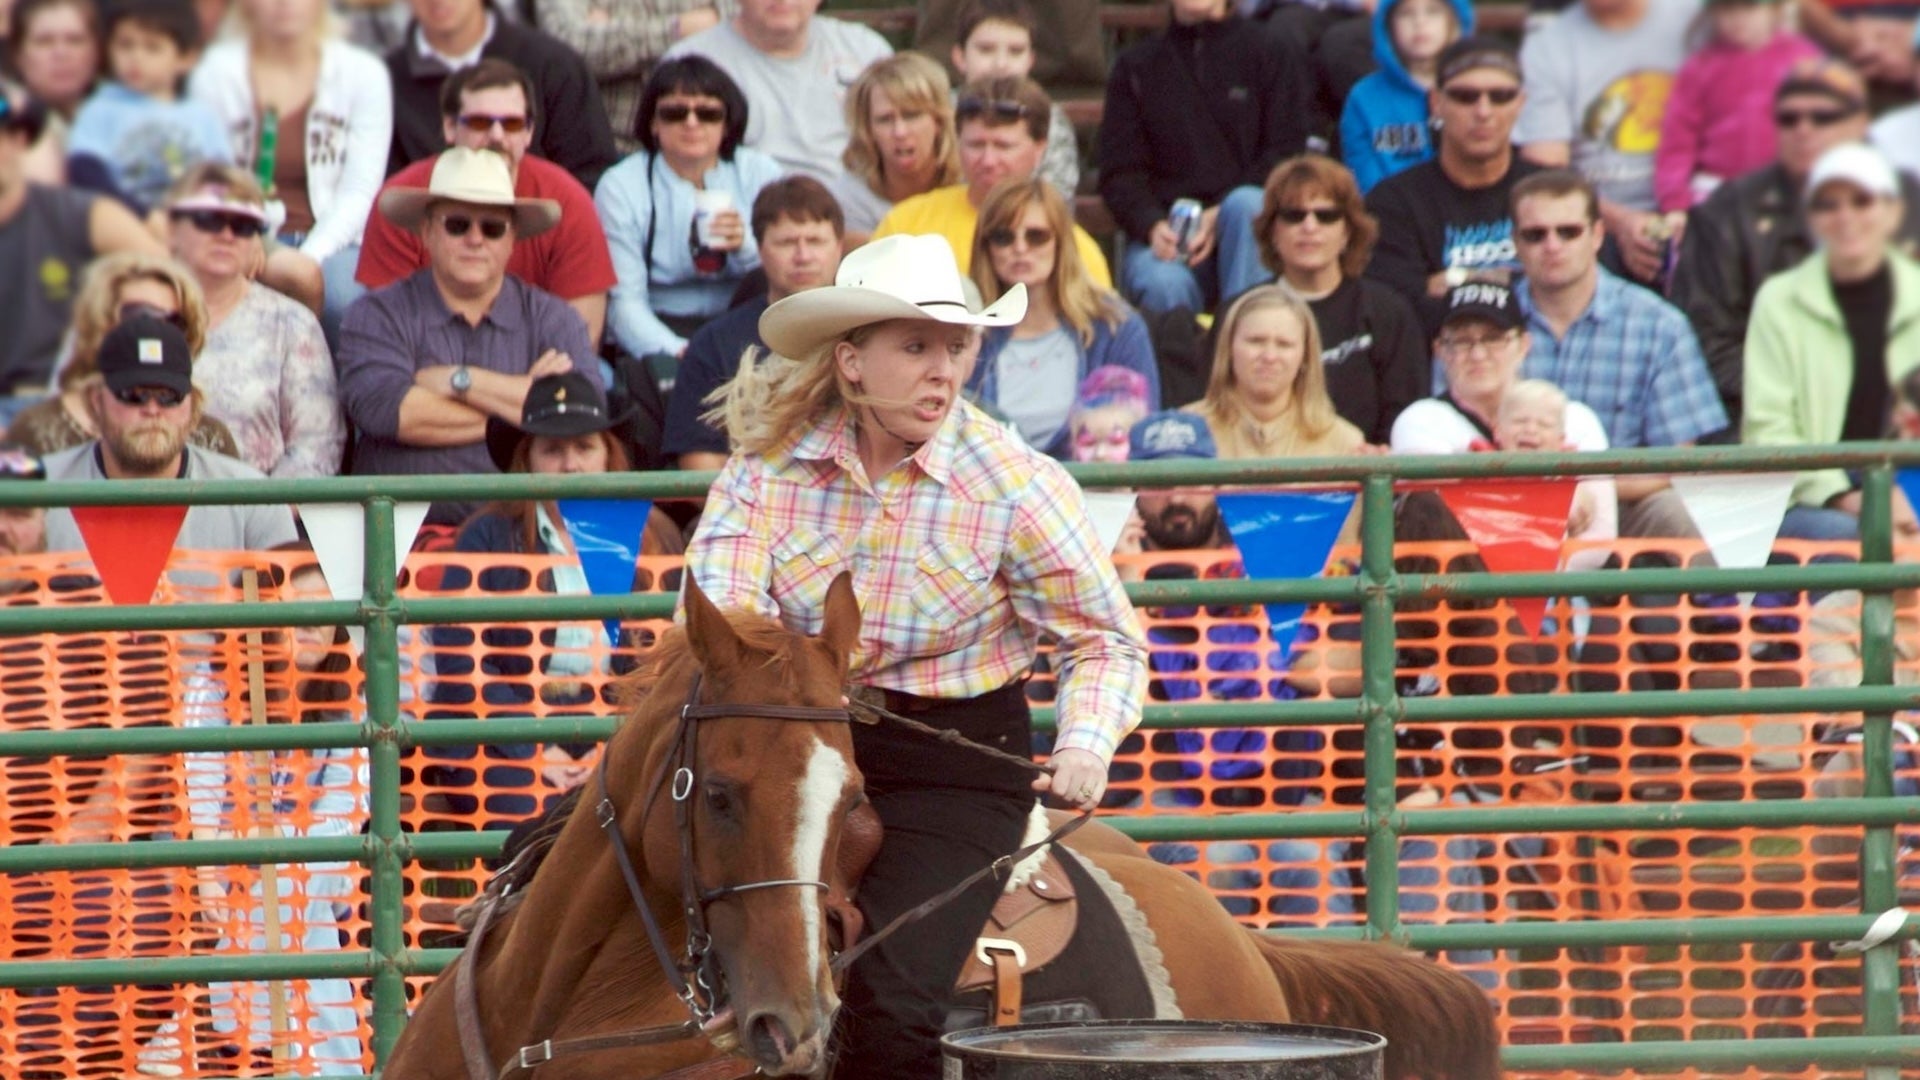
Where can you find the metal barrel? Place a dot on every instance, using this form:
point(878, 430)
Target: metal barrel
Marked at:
point(1162, 1050)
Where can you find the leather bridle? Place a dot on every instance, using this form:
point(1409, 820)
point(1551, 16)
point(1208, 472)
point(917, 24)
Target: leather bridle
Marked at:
point(694, 976)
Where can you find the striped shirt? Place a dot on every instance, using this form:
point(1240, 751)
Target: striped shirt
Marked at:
point(961, 558)
point(1633, 359)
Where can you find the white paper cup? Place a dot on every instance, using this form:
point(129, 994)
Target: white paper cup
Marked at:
point(708, 205)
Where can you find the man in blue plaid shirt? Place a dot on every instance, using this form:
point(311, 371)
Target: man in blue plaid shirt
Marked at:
point(1621, 349)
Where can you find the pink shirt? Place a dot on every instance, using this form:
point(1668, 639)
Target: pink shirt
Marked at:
point(1719, 118)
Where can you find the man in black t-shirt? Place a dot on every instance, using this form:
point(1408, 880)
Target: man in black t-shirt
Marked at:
point(1446, 223)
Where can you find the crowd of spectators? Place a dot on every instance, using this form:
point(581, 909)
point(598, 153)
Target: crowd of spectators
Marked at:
point(243, 237)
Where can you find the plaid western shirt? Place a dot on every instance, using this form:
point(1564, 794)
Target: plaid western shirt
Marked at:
point(1633, 359)
point(961, 559)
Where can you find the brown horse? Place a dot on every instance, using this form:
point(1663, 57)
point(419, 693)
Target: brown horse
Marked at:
point(766, 801)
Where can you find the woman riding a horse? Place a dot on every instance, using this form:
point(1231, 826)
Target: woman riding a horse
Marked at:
point(854, 451)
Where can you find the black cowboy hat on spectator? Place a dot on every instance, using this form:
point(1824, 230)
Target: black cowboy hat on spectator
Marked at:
point(146, 352)
point(1485, 301)
point(561, 406)
point(20, 112)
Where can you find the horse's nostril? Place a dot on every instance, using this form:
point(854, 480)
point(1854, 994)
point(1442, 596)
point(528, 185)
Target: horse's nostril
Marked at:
point(769, 1038)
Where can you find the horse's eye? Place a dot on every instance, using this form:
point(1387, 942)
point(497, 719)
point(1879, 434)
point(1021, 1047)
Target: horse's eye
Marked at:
point(719, 800)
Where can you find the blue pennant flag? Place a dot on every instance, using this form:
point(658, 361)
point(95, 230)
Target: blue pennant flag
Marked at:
point(1909, 481)
point(1286, 536)
point(606, 533)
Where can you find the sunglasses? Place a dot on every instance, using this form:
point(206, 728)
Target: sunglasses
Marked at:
point(678, 113)
point(1325, 215)
point(135, 309)
point(1004, 238)
point(1537, 234)
point(481, 123)
point(1859, 200)
point(971, 107)
point(212, 222)
point(140, 396)
point(457, 225)
point(1473, 95)
point(1820, 118)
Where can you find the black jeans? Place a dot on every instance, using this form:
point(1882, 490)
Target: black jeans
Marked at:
point(948, 811)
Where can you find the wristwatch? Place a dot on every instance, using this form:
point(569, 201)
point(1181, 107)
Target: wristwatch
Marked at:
point(460, 381)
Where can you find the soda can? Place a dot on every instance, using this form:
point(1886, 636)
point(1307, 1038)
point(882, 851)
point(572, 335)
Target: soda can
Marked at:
point(1184, 220)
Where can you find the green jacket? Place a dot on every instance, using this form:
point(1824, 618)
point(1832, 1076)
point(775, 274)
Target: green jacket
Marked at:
point(1799, 363)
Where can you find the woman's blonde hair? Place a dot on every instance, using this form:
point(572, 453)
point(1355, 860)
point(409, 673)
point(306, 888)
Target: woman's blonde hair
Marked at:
point(1077, 299)
point(97, 309)
point(1311, 404)
point(775, 400)
point(911, 81)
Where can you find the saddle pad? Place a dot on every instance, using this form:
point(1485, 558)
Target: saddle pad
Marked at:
point(1104, 969)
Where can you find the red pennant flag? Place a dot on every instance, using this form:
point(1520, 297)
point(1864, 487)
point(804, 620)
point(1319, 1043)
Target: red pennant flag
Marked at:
point(130, 546)
point(1519, 526)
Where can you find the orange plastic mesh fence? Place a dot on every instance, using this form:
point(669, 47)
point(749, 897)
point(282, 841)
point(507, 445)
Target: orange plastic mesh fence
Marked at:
point(1199, 654)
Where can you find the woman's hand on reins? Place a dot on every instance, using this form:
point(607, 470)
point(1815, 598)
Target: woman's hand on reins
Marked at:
point(1079, 778)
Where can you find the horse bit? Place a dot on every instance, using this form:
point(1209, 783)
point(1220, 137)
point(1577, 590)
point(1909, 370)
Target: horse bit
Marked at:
point(693, 978)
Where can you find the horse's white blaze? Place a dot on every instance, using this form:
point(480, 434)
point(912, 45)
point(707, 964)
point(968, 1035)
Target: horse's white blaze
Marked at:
point(818, 794)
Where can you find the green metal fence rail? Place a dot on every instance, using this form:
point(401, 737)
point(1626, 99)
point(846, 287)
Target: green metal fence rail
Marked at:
point(1378, 710)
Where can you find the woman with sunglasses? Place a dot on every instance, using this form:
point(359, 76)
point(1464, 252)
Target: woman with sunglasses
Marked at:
point(1834, 343)
point(266, 368)
point(116, 288)
point(1315, 232)
point(900, 111)
point(673, 210)
point(308, 114)
point(1031, 372)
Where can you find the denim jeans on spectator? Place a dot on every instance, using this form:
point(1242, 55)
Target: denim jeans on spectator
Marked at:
point(1819, 523)
point(337, 271)
point(1233, 268)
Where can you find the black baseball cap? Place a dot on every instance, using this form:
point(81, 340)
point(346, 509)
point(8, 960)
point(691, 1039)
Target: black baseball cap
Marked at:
point(1485, 301)
point(144, 351)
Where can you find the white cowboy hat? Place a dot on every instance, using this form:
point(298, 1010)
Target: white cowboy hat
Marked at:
point(896, 277)
point(473, 177)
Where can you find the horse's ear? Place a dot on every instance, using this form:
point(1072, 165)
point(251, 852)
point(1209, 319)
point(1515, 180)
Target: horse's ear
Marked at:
point(842, 629)
point(709, 633)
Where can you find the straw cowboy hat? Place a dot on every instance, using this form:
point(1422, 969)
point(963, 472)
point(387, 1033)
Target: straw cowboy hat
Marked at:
point(897, 277)
point(473, 177)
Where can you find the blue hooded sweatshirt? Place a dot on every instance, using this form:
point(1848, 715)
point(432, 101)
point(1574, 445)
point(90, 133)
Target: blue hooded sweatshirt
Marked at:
point(1383, 128)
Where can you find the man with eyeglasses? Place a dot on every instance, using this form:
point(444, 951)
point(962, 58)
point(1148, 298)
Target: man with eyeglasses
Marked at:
point(1619, 348)
point(426, 361)
point(491, 106)
point(449, 36)
point(1003, 124)
point(1202, 111)
point(1445, 223)
point(794, 66)
point(1755, 226)
point(1597, 84)
point(144, 405)
point(47, 236)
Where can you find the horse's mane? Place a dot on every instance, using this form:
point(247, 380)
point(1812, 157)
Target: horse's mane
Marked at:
point(671, 657)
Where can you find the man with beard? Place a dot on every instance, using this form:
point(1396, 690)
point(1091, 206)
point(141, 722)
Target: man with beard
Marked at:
point(1231, 659)
point(143, 405)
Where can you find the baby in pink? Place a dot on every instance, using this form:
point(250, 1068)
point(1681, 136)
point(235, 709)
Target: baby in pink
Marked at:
point(1719, 119)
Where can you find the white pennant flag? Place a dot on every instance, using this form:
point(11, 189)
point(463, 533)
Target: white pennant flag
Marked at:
point(1109, 511)
point(1738, 514)
point(339, 531)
